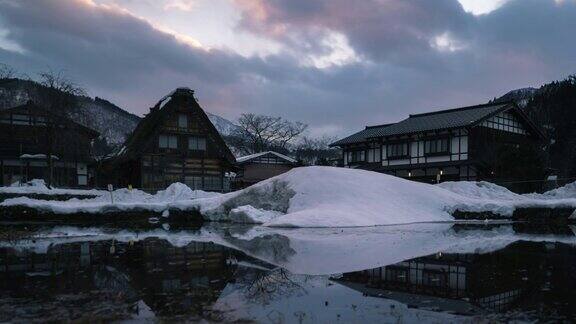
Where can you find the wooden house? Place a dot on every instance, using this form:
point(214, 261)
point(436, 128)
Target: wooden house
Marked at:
point(261, 166)
point(469, 143)
point(36, 142)
point(175, 142)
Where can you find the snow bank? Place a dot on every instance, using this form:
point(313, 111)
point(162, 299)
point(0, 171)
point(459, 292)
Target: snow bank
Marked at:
point(38, 187)
point(485, 196)
point(120, 200)
point(479, 190)
point(566, 192)
point(319, 197)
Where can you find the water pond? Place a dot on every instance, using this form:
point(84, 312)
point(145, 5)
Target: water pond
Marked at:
point(438, 273)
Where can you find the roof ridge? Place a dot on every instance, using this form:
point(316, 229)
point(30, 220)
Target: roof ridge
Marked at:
point(377, 126)
point(259, 154)
point(460, 109)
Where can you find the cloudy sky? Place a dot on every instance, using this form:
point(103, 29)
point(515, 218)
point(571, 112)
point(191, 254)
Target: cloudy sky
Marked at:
point(335, 64)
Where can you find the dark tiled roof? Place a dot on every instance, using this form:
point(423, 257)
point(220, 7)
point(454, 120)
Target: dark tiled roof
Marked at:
point(361, 136)
point(439, 120)
point(431, 121)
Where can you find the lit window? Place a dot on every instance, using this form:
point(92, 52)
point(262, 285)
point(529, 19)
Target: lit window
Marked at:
point(197, 143)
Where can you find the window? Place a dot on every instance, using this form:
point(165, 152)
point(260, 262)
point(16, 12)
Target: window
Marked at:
point(194, 182)
point(437, 146)
point(212, 183)
point(168, 141)
point(505, 122)
point(82, 180)
point(182, 121)
point(40, 120)
point(397, 151)
point(356, 156)
point(433, 278)
point(197, 143)
point(20, 119)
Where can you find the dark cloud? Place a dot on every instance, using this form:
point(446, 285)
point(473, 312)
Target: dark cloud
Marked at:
point(412, 55)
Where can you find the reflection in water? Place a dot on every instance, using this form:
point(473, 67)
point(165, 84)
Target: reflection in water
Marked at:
point(530, 276)
point(155, 274)
point(112, 279)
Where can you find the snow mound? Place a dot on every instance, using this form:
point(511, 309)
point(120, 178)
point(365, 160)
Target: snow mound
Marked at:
point(479, 190)
point(36, 183)
point(39, 187)
point(568, 191)
point(179, 191)
point(333, 197)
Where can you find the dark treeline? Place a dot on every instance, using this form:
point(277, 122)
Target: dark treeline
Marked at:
point(553, 108)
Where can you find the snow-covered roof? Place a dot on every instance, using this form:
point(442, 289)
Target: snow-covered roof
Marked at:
point(257, 155)
point(37, 156)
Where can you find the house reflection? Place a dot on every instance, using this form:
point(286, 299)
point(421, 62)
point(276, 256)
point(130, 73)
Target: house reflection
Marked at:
point(524, 274)
point(169, 280)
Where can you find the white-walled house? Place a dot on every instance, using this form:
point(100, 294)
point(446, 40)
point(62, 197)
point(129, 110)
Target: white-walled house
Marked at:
point(453, 144)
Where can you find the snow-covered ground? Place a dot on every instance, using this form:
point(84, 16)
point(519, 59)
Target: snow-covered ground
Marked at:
point(321, 197)
point(38, 187)
point(117, 201)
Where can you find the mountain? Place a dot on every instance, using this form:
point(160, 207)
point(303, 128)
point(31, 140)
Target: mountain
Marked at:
point(223, 125)
point(520, 96)
point(112, 122)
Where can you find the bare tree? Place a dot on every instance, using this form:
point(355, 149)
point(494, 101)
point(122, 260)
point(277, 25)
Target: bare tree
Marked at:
point(59, 95)
point(316, 151)
point(275, 284)
point(6, 72)
point(259, 133)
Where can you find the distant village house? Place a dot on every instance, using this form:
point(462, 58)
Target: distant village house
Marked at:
point(36, 143)
point(261, 166)
point(175, 142)
point(469, 143)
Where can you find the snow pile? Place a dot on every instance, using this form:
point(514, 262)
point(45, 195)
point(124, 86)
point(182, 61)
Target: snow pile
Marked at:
point(479, 190)
point(120, 200)
point(339, 197)
point(39, 187)
point(179, 191)
point(568, 191)
point(333, 197)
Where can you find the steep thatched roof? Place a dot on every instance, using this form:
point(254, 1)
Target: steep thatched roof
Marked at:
point(181, 97)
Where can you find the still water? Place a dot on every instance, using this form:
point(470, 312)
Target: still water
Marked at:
point(435, 273)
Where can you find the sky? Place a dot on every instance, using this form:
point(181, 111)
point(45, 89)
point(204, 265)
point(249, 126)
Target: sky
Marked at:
point(337, 65)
